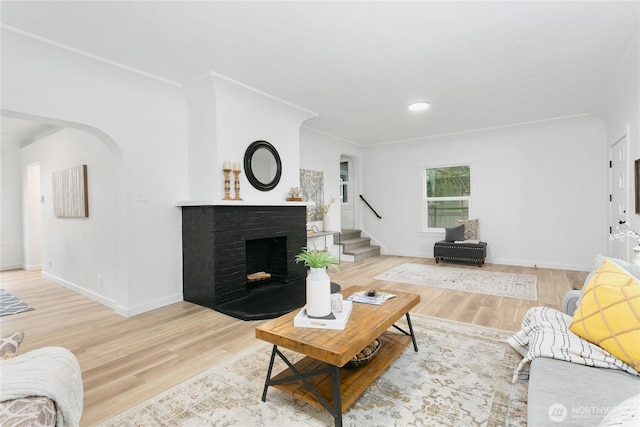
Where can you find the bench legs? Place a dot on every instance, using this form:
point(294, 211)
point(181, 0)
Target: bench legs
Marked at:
point(480, 261)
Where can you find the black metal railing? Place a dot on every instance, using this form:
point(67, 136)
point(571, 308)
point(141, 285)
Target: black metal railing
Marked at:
point(372, 210)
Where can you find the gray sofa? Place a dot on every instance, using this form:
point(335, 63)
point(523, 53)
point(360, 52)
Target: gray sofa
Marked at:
point(567, 394)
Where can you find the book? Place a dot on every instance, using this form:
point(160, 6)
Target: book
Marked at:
point(370, 297)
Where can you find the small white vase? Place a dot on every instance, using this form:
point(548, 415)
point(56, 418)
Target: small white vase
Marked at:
point(318, 293)
point(326, 224)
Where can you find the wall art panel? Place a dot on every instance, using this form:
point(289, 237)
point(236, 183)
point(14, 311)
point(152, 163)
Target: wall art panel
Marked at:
point(70, 194)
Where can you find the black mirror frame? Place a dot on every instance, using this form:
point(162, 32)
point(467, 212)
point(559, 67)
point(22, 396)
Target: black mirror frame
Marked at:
point(248, 156)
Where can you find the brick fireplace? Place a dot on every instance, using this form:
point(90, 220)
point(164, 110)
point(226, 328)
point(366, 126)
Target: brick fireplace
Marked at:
point(223, 244)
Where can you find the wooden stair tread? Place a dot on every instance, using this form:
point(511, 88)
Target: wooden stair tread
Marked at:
point(362, 249)
point(353, 244)
point(354, 241)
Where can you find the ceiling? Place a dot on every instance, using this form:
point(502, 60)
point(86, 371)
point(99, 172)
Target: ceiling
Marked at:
point(359, 64)
point(25, 131)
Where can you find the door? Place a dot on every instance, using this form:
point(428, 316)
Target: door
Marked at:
point(33, 229)
point(618, 199)
point(347, 208)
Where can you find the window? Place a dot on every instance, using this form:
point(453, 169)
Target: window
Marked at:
point(446, 196)
point(344, 182)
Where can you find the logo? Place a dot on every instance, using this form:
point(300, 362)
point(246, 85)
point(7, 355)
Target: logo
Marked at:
point(557, 412)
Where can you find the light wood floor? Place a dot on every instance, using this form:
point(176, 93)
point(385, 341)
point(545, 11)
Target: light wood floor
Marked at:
point(127, 360)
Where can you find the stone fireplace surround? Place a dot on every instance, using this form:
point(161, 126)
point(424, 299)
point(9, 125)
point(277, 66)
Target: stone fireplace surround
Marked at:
point(214, 247)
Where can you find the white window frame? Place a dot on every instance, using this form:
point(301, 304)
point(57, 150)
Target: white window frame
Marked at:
point(346, 185)
point(439, 232)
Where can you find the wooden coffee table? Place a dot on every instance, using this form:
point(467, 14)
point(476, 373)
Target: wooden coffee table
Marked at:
point(319, 378)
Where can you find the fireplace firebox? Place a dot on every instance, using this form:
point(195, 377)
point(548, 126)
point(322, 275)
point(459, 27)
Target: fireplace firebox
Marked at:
point(266, 261)
point(240, 260)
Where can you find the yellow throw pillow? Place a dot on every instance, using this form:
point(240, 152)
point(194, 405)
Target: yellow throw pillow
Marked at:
point(609, 313)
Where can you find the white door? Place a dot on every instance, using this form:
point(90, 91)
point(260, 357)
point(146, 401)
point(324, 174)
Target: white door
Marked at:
point(619, 203)
point(33, 229)
point(347, 205)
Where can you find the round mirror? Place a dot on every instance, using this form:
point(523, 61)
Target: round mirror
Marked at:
point(262, 165)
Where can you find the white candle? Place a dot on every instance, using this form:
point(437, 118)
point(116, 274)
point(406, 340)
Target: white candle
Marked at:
point(236, 166)
point(226, 164)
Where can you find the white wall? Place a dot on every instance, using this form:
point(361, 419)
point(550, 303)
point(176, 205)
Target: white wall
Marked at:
point(11, 256)
point(80, 252)
point(321, 152)
point(619, 105)
point(539, 191)
point(142, 123)
point(245, 115)
point(225, 117)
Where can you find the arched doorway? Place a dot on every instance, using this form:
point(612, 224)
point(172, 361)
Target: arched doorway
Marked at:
point(87, 255)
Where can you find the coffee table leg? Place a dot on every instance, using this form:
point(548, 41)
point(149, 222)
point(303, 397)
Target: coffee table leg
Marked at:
point(266, 382)
point(410, 333)
point(337, 398)
point(413, 336)
point(336, 410)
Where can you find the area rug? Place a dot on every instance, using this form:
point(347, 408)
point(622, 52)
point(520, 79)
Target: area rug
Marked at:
point(461, 375)
point(510, 285)
point(11, 305)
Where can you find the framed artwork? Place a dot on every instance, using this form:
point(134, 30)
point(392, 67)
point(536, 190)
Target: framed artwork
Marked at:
point(636, 174)
point(312, 189)
point(70, 194)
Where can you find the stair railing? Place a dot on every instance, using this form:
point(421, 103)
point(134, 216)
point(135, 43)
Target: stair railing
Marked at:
point(372, 210)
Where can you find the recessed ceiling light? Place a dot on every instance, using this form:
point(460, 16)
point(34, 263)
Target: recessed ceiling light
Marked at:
point(419, 106)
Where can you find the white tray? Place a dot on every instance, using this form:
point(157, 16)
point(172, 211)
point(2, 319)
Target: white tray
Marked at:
point(339, 322)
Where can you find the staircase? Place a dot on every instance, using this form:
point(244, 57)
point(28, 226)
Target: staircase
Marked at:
point(355, 247)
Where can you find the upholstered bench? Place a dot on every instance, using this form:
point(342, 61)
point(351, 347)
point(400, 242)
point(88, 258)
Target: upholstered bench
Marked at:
point(463, 251)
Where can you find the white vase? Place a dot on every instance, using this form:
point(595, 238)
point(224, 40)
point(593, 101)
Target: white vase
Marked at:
point(326, 224)
point(318, 293)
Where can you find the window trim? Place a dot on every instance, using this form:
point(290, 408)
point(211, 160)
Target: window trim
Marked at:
point(439, 232)
point(348, 183)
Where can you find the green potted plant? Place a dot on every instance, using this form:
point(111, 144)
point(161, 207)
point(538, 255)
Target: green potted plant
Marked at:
point(318, 281)
point(313, 258)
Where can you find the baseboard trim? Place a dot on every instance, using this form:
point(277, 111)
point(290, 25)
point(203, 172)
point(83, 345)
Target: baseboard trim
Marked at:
point(502, 261)
point(119, 309)
point(534, 264)
point(12, 267)
point(143, 308)
point(80, 290)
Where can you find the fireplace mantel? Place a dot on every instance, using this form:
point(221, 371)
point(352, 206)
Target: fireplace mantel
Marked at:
point(241, 203)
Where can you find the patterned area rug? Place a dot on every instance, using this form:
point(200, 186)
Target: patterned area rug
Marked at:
point(521, 286)
point(460, 376)
point(11, 305)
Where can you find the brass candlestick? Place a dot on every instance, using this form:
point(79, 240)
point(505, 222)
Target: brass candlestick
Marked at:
point(227, 184)
point(237, 185)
